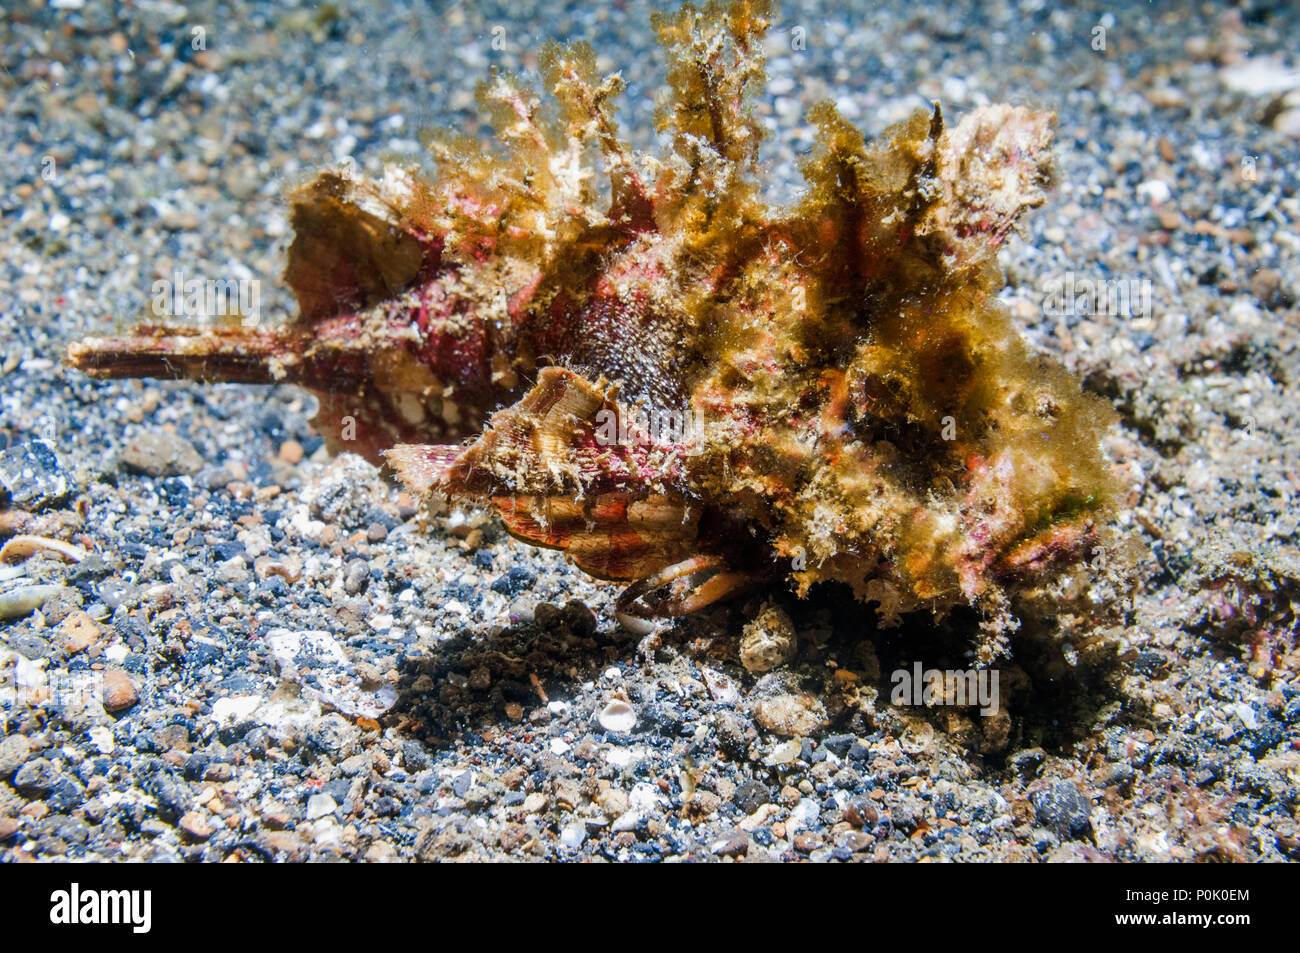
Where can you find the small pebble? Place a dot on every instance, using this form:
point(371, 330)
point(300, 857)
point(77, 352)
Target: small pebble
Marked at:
point(291, 452)
point(320, 805)
point(194, 824)
point(160, 454)
point(119, 691)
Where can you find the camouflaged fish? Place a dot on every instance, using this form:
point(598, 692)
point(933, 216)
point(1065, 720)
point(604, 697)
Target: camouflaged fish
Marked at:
point(637, 360)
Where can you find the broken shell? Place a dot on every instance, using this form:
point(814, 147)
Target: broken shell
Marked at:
point(635, 624)
point(617, 716)
point(24, 546)
point(19, 602)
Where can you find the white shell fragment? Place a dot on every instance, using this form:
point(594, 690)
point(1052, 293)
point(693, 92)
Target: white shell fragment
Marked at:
point(27, 599)
point(617, 716)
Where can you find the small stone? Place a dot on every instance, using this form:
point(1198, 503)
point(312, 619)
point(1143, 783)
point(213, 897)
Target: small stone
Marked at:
point(838, 745)
point(613, 803)
point(857, 841)
point(732, 844)
point(218, 477)
point(1155, 191)
point(627, 821)
point(159, 454)
point(234, 709)
point(1287, 121)
point(514, 581)
point(806, 842)
point(320, 805)
point(101, 737)
point(118, 691)
point(520, 612)
point(291, 452)
point(512, 836)
point(174, 797)
point(66, 794)
point(8, 827)
point(535, 803)
point(193, 824)
point(290, 570)
point(233, 572)
point(381, 852)
point(796, 715)
point(701, 804)
point(77, 632)
point(861, 813)
point(14, 750)
point(356, 577)
point(750, 796)
point(1064, 809)
point(1170, 218)
point(354, 765)
point(1259, 76)
point(32, 478)
point(581, 619)
point(1266, 285)
point(462, 783)
point(1118, 775)
point(376, 532)
point(37, 777)
point(286, 842)
point(61, 606)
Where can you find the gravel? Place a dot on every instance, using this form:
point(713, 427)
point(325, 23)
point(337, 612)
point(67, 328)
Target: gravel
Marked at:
point(292, 660)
